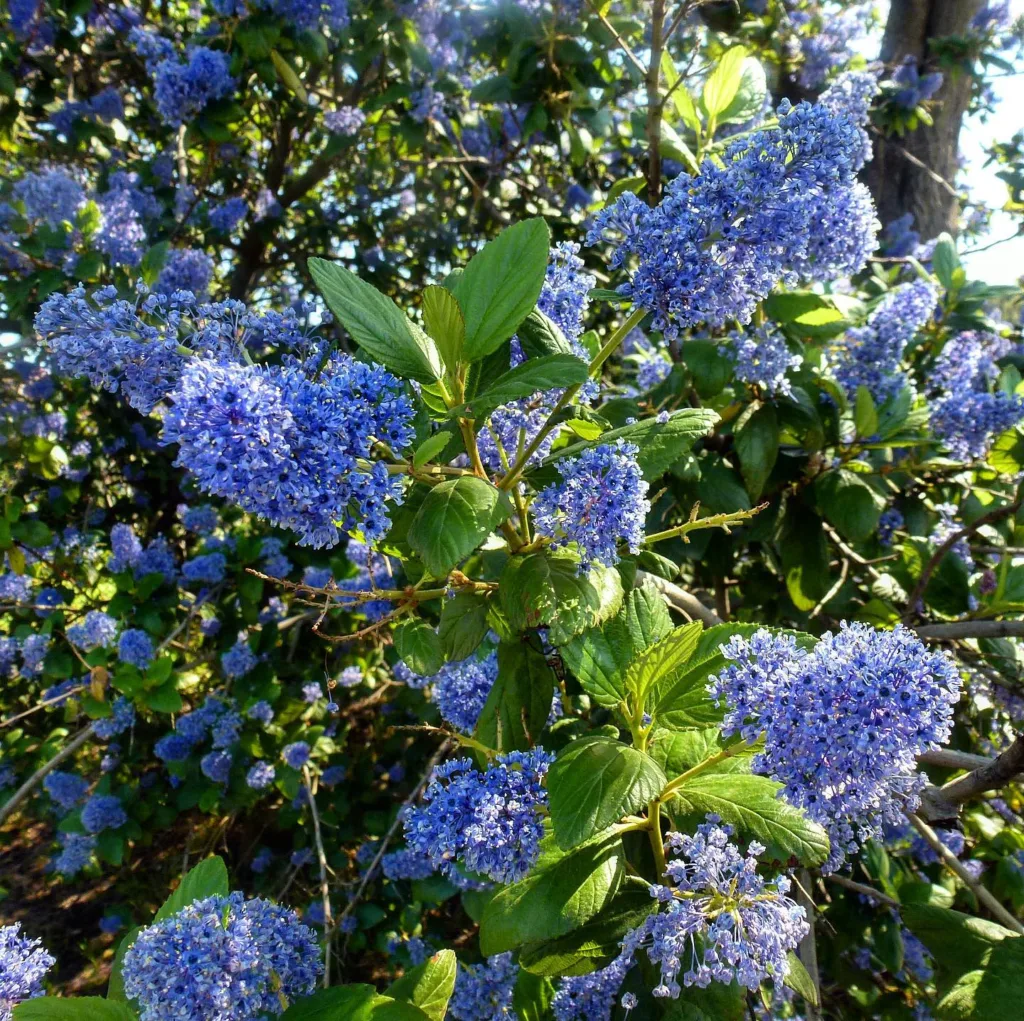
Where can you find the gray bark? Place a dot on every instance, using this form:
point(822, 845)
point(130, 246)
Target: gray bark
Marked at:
point(897, 183)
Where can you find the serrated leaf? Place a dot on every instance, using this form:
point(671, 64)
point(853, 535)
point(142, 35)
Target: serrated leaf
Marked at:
point(661, 664)
point(463, 625)
point(547, 590)
point(501, 284)
point(750, 803)
point(418, 646)
point(455, 517)
point(564, 891)
point(865, 414)
point(376, 323)
point(748, 102)
point(678, 751)
point(445, 323)
point(595, 782)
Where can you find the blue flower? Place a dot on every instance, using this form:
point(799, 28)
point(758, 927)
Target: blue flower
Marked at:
point(763, 358)
point(76, 853)
point(345, 120)
point(207, 570)
point(406, 864)
point(23, 963)
point(216, 766)
point(222, 957)
point(600, 503)
point(182, 91)
point(260, 775)
point(483, 992)
point(51, 197)
point(135, 647)
point(591, 997)
point(296, 754)
point(487, 821)
point(172, 748)
point(121, 717)
point(227, 215)
point(239, 659)
point(843, 724)
point(95, 631)
point(103, 812)
point(66, 789)
point(718, 918)
point(186, 269)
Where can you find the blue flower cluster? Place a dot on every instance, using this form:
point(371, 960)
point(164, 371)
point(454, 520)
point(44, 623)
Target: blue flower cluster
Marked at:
point(227, 215)
point(76, 852)
point(105, 106)
point(591, 997)
point(843, 724)
point(310, 14)
point(945, 527)
point(458, 689)
point(913, 88)
point(66, 789)
point(719, 918)
point(288, 448)
point(222, 959)
point(720, 241)
point(763, 358)
point(826, 43)
point(489, 822)
point(239, 659)
point(103, 812)
point(968, 414)
point(122, 716)
point(182, 91)
point(51, 197)
point(296, 754)
point(600, 502)
point(207, 569)
point(186, 269)
point(890, 521)
point(870, 355)
point(346, 120)
point(96, 630)
point(483, 992)
point(23, 963)
point(135, 647)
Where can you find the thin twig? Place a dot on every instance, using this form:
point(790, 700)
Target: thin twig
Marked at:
point(955, 866)
point(40, 774)
point(971, 629)
point(862, 888)
point(622, 44)
point(808, 949)
point(325, 890)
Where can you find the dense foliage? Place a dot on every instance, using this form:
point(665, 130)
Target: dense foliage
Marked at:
point(493, 526)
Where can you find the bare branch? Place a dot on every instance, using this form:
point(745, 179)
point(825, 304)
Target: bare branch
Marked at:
point(971, 629)
point(681, 600)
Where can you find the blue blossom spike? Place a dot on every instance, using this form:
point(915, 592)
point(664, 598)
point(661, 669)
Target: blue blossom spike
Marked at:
point(483, 992)
point(23, 963)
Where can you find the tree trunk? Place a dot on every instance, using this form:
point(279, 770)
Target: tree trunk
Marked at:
point(899, 184)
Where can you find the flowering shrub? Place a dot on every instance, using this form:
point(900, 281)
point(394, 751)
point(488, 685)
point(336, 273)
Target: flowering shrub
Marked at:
point(517, 529)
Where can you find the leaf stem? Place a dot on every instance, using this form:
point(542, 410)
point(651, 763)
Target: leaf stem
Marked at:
point(657, 843)
point(726, 753)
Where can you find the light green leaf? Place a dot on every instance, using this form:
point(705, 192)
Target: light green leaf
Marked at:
point(564, 891)
point(723, 83)
point(351, 1003)
point(595, 782)
point(289, 76)
point(748, 102)
point(678, 751)
point(207, 879)
point(945, 260)
point(501, 284)
point(799, 980)
point(455, 517)
point(430, 448)
point(659, 666)
point(865, 414)
point(73, 1008)
point(376, 323)
point(750, 803)
point(429, 986)
point(445, 323)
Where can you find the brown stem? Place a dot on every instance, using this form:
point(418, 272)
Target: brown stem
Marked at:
point(654, 103)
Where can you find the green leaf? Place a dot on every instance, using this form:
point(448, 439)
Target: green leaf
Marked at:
point(803, 308)
point(289, 76)
point(546, 590)
point(719, 1002)
point(678, 751)
point(865, 414)
point(532, 996)
point(455, 517)
point(658, 667)
point(1007, 453)
point(684, 702)
point(351, 1003)
point(749, 99)
point(538, 336)
point(805, 557)
point(958, 942)
point(526, 379)
point(73, 1008)
point(750, 803)
point(757, 446)
point(429, 986)
point(681, 99)
point(430, 448)
point(207, 879)
point(992, 993)
point(660, 443)
point(115, 985)
point(945, 260)
point(564, 891)
point(445, 323)
point(419, 647)
point(463, 625)
point(888, 943)
point(723, 83)
point(848, 503)
point(799, 980)
point(595, 942)
point(501, 284)
point(595, 782)
point(376, 323)
point(599, 657)
point(519, 701)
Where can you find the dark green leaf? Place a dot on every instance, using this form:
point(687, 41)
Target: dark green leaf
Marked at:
point(418, 646)
point(848, 503)
point(501, 284)
point(750, 803)
point(545, 373)
point(351, 1003)
point(115, 986)
point(799, 980)
point(945, 260)
point(463, 625)
point(376, 323)
point(595, 782)
point(757, 445)
point(456, 516)
point(532, 996)
point(519, 701)
point(538, 336)
point(73, 1008)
